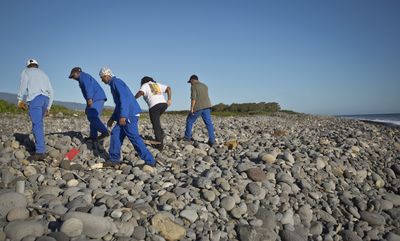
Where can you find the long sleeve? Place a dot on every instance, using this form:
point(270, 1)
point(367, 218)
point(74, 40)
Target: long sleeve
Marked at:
point(88, 88)
point(123, 95)
point(51, 95)
point(86, 85)
point(23, 86)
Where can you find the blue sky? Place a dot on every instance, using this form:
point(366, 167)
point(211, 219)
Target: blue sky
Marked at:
point(320, 57)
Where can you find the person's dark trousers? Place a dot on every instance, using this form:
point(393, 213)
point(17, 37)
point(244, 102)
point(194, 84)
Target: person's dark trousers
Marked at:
point(206, 116)
point(155, 114)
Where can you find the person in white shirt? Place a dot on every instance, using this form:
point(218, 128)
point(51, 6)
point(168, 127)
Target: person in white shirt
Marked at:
point(153, 94)
point(36, 89)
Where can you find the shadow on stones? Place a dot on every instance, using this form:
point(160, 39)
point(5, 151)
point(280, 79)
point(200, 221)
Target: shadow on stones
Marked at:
point(72, 134)
point(24, 140)
point(96, 147)
point(54, 226)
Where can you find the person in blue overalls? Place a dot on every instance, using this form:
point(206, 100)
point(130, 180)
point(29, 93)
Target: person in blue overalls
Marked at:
point(36, 88)
point(95, 98)
point(126, 114)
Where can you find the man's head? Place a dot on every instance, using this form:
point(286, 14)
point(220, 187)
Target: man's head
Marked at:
point(32, 63)
point(193, 79)
point(146, 79)
point(106, 75)
point(75, 73)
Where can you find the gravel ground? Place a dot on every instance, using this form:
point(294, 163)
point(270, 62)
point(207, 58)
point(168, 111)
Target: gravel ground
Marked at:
point(287, 178)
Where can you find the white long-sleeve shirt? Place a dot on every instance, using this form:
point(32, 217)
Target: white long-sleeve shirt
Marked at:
point(35, 82)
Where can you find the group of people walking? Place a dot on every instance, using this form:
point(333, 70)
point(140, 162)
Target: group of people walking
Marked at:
point(36, 90)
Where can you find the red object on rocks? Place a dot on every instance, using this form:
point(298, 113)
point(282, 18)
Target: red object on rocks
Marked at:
point(71, 154)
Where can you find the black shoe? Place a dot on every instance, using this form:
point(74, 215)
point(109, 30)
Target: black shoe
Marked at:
point(159, 147)
point(211, 144)
point(160, 163)
point(111, 164)
point(37, 157)
point(89, 139)
point(103, 135)
point(157, 162)
point(187, 140)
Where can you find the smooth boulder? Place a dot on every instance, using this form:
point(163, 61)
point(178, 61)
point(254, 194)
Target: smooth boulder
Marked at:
point(11, 200)
point(17, 230)
point(93, 226)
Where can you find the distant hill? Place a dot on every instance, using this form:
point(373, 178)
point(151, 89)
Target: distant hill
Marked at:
point(12, 98)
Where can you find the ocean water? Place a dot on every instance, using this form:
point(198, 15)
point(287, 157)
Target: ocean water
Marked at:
point(393, 119)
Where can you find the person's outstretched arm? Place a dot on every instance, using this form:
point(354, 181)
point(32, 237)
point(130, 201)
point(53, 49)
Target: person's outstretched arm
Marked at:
point(193, 103)
point(193, 96)
point(51, 96)
point(169, 94)
point(89, 90)
point(23, 87)
point(123, 94)
point(139, 94)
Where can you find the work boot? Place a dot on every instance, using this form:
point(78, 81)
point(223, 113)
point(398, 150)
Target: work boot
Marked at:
point(111, 164)
point(157, 162)
point(90, 139)
point(103, 135)
point(159, 147)
point(187, 141)
point(211, 144)
point(37, 157)
point(160, 163)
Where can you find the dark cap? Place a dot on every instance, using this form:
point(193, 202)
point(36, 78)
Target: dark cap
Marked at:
point(146, 79)
point(193, 77)
point(75, 69)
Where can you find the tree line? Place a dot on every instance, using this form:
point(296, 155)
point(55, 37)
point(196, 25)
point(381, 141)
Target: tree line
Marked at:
point(270, 107)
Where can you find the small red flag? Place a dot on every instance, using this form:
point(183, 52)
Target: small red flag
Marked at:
point(71, 154)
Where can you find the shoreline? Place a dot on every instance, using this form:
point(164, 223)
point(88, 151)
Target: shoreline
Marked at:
point(387, 124)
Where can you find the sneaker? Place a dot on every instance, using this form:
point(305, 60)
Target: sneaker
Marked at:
point(37, 157)
point(103, 135)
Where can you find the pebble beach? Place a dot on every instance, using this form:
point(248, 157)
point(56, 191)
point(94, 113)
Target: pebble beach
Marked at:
point(283, 178)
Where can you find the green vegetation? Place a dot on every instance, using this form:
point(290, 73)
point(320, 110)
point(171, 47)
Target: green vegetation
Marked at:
point(222, 110)
point(107, 112)
point(55, 109)
point(248, 108)
point(243, 109)
point(7, 107)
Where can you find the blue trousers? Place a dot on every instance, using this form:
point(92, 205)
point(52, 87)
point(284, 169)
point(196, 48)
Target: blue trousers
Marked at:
point(131, 131)
point(93, 115)
point(37, 111)
point(206, 116)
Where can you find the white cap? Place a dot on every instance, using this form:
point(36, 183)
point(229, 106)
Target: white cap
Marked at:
point(31, 61)
point(105, 71)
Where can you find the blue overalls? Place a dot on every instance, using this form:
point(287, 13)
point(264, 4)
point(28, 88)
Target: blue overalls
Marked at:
point(126, 106)
point(37, 111)
point(36, 87)
point(92, 90)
